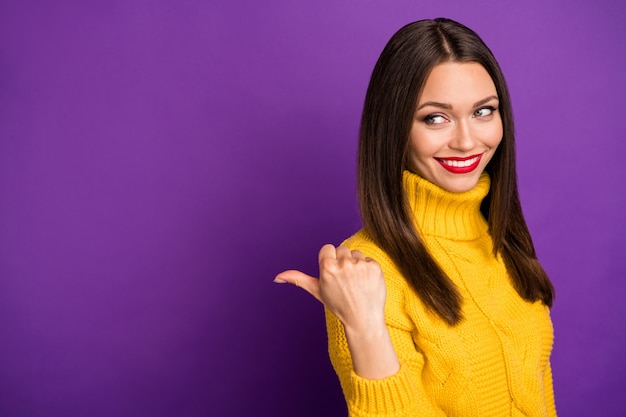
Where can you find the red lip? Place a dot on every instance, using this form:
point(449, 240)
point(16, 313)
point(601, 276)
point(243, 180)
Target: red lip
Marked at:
point(460, 169)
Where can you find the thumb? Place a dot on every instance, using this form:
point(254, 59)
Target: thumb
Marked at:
point(300, 279)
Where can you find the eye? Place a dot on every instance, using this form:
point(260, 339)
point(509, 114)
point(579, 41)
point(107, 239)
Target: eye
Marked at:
point(434, 119)
point(484, 111)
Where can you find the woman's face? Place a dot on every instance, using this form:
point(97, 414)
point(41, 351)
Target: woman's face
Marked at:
point(457, 126)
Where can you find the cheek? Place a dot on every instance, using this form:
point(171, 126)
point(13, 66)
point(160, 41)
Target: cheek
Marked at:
point(492, 136)
point(418, 156)
point(423, 145)
point(418, 153)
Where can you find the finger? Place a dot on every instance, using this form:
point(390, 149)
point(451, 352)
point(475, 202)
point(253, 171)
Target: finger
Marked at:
point(328, 251)
point(300, 279)
point(357, 254)
point(343, 253)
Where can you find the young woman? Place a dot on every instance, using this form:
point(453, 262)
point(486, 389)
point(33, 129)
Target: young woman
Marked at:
point(438, 306)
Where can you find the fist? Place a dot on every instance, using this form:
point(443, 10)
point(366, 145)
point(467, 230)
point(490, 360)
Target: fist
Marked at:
point(350, 285)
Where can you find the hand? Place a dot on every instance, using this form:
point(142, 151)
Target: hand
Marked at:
point(350, 285)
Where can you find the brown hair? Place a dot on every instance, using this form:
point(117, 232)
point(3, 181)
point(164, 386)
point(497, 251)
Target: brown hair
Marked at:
point(388, 112)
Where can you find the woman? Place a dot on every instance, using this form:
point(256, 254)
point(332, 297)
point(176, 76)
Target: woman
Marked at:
point(438, 306)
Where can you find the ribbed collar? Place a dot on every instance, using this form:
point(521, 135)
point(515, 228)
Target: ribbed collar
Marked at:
point(446, 214)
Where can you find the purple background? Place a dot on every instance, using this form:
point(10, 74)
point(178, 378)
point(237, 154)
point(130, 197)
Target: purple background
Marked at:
point(161, 161)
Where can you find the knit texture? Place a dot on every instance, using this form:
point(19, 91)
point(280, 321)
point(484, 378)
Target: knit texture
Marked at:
point(494, 363)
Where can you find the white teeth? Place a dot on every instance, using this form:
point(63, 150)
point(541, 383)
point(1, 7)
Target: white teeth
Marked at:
point(459, 164)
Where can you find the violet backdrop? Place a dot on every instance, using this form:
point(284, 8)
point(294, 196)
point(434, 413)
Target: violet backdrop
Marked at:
point(161, 161)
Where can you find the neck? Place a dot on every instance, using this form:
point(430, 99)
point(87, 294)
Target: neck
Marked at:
point(443, 213)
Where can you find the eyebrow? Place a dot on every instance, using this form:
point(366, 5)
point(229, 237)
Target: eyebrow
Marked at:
point(449, 106)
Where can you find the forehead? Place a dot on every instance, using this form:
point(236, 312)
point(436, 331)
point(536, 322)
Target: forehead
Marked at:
point(457, 82)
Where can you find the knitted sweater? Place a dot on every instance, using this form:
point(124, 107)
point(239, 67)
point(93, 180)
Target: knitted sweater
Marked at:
point(494, 363)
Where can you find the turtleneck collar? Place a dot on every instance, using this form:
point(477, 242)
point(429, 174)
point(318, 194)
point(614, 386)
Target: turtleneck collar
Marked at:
point(443, 213)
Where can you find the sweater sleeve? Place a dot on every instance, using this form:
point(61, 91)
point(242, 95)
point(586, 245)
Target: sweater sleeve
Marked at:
point(549, 391)
point(399, 395)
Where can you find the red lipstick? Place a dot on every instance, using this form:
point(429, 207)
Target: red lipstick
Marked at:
point(458, 165)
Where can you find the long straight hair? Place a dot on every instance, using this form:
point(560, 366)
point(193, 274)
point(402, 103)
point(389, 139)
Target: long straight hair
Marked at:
point(392, 95)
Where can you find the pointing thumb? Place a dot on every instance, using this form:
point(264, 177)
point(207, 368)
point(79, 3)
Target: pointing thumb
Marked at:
point(300, 279)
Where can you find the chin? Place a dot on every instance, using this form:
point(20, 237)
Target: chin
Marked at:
point(460, 185)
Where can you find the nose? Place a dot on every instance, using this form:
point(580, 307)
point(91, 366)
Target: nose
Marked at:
point(463, 137)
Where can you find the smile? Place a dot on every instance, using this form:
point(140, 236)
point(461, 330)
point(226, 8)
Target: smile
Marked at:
point(460, 165)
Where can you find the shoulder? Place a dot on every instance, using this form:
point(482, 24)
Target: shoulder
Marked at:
point(359, 241)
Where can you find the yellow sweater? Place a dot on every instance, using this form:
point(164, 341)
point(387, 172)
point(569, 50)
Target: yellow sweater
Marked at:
point(494, 363)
